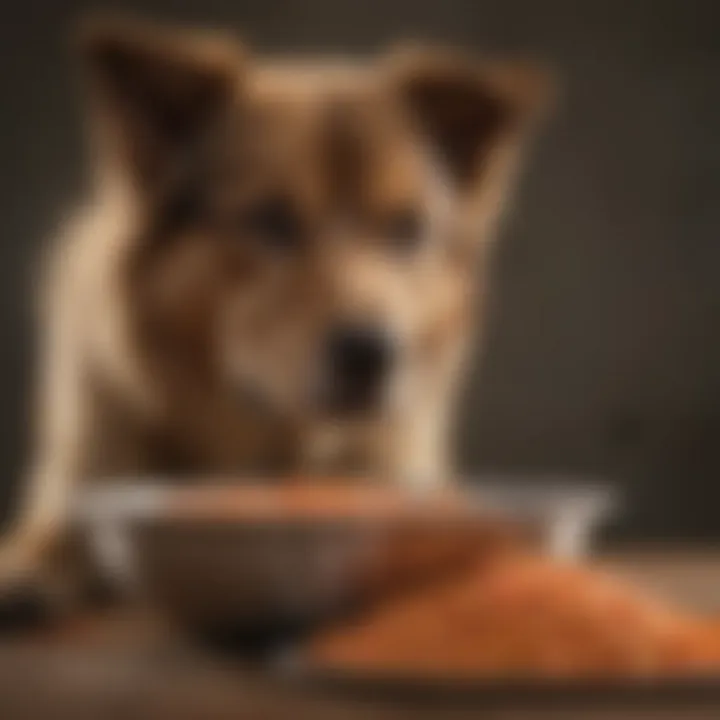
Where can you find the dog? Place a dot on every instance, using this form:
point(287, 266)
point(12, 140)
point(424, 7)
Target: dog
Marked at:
point(277, 269)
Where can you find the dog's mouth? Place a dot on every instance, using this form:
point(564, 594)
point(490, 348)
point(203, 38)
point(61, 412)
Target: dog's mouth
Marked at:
point(350, 401)
point(336, 395)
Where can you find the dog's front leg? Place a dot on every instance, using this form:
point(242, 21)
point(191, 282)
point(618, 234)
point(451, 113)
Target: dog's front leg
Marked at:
point(40, 557)
point(80, 434)
point(39, 524)
point(32, 575)
point(57, 464)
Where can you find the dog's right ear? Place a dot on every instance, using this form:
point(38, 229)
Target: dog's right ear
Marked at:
point(155, 92)
point(464, 107)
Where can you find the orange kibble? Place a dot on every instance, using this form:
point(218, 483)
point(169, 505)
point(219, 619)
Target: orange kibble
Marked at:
point(525, 616)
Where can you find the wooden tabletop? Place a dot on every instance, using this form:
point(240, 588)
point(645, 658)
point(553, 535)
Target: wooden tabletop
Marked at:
point(129, 664)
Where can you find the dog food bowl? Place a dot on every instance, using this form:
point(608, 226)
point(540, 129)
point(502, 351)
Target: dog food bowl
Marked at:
point(252, 560)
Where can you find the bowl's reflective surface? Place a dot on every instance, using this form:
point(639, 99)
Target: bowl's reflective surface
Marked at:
point(215, 568)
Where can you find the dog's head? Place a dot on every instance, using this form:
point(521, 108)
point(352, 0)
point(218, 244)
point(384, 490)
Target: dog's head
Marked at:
point(310, 232)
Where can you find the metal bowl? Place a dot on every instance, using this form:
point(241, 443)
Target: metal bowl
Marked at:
point(222, 569)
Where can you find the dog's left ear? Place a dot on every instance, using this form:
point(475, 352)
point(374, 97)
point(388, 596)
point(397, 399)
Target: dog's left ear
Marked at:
point(154, 90)
point(466, 108)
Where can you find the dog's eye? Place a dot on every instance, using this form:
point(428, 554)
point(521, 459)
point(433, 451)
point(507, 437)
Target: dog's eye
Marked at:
point(403, 229)
point(275, 222)
point(182, 207)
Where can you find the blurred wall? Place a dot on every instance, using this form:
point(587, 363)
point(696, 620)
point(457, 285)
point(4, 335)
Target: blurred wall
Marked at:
point(603, 353)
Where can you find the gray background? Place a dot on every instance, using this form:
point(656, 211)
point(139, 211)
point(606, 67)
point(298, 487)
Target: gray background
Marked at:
point(603, 353)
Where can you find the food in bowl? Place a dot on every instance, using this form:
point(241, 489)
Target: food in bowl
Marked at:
point(301, 500)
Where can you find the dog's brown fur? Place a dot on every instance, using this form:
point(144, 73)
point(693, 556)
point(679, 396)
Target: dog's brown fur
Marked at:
point(179, 340)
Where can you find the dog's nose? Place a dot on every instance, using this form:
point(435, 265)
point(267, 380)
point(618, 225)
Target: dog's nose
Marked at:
point(359, 358)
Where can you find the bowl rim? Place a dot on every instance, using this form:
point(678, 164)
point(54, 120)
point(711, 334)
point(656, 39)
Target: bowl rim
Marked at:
point(526, 498)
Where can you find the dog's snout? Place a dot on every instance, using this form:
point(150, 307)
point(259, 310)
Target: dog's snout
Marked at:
point(361, 353)
point(358, 359)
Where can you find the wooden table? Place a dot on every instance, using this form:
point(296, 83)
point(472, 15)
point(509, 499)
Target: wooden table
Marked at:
point(128, 664)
